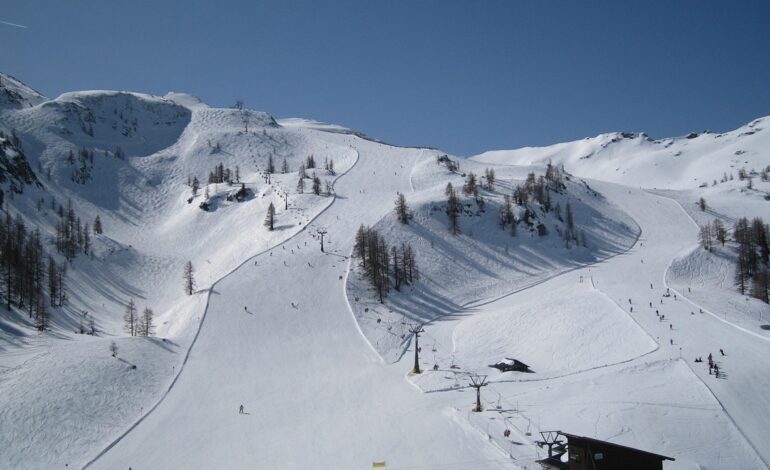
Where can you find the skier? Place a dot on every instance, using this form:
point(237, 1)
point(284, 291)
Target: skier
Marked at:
point(650, 304)
point(650, 285)
point(670, 326)
point(632, 309)
point(240, 410)
point(672, 341)
point(722, 351)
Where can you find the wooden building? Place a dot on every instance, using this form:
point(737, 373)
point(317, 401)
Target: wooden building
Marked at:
point(586, 453)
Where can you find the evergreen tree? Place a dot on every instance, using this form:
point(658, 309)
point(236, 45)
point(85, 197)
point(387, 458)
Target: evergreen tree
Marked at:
point(359, 247)
point(53, 284)
point(760, 288)
point(270, 165)
point(301, 185)
point(130, 323)
point(196, 185)
point(284, 166)
point(470, 187)
point(97, 225)
point(42, 318)
point(402, 209)
point(189, 278)
point(270, 217)
point(506, 212)
point(316, 185)
point(489, 173)
point(453, 210)
point(146, 326)
point(310, 162)
point(569, 231)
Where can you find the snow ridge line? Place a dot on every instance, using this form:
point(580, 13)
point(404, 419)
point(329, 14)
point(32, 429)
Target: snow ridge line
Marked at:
point(203, 319)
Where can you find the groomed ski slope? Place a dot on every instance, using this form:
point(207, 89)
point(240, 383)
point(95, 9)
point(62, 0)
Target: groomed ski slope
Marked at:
point(316, 395)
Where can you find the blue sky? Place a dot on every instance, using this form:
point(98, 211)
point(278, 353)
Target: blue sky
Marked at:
point(461, 76)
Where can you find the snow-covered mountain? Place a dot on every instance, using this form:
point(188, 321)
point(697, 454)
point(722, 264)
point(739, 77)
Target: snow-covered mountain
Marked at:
point(560, 261)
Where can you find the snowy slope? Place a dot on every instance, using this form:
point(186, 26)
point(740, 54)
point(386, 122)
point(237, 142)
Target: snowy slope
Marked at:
point(15, 94)
point(637, 160)
point(291, 333)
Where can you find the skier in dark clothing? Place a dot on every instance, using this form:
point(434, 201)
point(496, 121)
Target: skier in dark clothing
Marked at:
point(721, 351)
point(240, 410)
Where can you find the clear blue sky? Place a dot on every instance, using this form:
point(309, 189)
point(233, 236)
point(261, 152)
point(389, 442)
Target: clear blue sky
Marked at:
point(462, 76)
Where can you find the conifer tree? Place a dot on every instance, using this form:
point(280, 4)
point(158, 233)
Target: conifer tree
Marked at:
point(146, 325)
point(316, 185)
point(284, 166)
point(189, 278)
point(453, 210)
point(470, 187)
point(270, 217)
point(402, 209)
point(129, 318)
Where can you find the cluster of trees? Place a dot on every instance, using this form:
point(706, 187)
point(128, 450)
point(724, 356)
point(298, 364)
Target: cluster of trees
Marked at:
point(451, 165)
point(220, 174)
point(23, 269)
point(316, 185)
point(136, 324)
point(23, 262)
point(82, 166)
point(537, 189)
point(752, 271)
point(73, 236)
point(711, 232)
point(271, 165)
point(384, 266)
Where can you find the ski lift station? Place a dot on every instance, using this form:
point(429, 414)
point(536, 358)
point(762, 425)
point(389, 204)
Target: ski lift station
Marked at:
point(585, 453)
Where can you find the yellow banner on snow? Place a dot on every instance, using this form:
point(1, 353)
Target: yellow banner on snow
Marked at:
point(379, 464)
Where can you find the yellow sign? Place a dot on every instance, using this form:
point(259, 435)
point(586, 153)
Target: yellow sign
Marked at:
point(379, 464)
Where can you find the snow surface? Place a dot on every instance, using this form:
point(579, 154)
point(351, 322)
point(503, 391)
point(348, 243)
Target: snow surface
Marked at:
point(283, 329)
